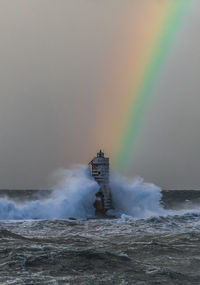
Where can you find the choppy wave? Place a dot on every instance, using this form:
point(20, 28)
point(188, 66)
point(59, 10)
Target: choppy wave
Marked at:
point(162, 249)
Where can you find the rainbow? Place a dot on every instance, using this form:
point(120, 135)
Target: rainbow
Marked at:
point(151, 33)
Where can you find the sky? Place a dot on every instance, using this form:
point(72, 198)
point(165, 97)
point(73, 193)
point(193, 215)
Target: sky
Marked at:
point(56, 59)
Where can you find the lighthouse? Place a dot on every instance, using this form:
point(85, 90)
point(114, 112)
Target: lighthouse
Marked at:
point(99, 167)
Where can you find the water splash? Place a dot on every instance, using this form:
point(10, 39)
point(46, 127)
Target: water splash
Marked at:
point(75, 196)
point(135, 198)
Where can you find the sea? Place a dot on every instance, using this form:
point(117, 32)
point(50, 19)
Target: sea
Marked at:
point(53, 236)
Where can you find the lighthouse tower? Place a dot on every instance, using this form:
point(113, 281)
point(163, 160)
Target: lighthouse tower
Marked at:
point(100, 172)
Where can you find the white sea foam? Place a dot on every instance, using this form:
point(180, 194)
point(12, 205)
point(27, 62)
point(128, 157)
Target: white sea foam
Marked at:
point(135, 198)
point(73, 197)
point(75, 194)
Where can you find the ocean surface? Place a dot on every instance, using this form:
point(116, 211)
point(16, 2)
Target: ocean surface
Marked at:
point(157, 250)
point(53, 237)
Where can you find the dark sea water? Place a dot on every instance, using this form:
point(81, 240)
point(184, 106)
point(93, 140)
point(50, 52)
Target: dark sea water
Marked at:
point(154, 240)
point(156, 250)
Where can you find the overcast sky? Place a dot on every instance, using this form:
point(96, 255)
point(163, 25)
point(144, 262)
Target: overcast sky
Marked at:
point(167, 150)
point(53, 54)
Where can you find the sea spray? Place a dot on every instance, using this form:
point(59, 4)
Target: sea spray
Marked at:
point(74, 196)
point(135, 198)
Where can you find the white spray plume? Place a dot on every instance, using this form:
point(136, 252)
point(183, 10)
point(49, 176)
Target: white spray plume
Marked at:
point(74, 198)
point(75, 195)
point(135, 198)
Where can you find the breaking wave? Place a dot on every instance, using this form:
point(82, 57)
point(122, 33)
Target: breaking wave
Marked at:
point(135, 198)
point(76, 195)
point(74, 198)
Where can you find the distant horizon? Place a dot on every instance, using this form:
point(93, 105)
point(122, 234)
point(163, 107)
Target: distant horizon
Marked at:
point(54, 189)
